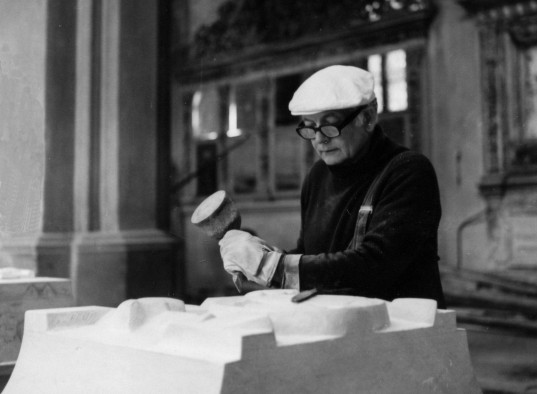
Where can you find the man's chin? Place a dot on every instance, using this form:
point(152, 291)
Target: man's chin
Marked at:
point(331, 160)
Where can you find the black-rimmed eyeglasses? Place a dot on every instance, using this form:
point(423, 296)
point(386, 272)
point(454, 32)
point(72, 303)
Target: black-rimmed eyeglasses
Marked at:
point(329, 130)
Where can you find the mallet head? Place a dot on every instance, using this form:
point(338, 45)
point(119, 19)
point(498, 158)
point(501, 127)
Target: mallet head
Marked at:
point(216, 215)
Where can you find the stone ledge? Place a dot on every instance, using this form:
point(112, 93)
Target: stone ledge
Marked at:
point(498, 184)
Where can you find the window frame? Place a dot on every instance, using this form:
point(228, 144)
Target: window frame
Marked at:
point(387, 115)
point(413, 118)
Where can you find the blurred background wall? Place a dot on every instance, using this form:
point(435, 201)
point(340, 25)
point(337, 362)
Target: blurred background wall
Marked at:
point(85, 136)
point(22, 127)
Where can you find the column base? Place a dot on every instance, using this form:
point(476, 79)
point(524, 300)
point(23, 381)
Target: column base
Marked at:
point(105, 268)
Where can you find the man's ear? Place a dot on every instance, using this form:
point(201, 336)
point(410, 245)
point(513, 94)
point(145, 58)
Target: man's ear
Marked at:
point(370, 118)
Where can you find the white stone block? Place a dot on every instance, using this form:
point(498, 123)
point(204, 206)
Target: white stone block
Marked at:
point(20, 295)
point(258, 343)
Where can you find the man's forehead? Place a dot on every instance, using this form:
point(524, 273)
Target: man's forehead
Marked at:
point(333, 114)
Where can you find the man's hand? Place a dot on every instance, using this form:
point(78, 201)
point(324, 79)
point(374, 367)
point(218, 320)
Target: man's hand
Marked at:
point(243, 252)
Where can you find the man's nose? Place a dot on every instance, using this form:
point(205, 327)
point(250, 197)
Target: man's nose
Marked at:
point(320, 138)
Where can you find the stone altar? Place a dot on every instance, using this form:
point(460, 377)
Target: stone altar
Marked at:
point(257, 343)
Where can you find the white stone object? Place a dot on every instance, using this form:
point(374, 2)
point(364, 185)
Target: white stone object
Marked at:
point(17, 295)
point(16, 273)
point(257, 343)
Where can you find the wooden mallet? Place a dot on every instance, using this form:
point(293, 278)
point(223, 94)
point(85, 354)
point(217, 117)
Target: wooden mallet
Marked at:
point(215, 216)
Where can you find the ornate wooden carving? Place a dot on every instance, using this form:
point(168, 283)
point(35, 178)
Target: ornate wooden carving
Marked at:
point(245, 23)
point(519, 18)
point(490, 65)
point(258, 39)
point(261, 34)
point(525, 31)
point(499, 8)
point(507, 28)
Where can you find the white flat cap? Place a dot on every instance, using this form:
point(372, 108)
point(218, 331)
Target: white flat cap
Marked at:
point(334, 87)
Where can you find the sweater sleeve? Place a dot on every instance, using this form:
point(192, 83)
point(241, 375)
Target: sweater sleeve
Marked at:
point(404, 220)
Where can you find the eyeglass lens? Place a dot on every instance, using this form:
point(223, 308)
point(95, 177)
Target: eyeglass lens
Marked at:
point(328, 131)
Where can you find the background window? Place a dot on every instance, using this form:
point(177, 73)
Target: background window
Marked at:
point(391, 89)
point(374, 65)
point(396, 80)
point(241, 139)
point(205, 119)
point(389, 71)
point(523, 146)
point(205, 130)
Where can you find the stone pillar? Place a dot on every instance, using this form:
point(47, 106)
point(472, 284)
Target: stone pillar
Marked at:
point(22, 142)
point(105, 202)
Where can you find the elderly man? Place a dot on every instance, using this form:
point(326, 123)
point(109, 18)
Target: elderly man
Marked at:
point(370, 208)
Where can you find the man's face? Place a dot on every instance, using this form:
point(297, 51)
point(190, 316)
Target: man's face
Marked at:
point(350, 144)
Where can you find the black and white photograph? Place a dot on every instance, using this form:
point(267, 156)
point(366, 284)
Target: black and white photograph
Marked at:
point(268, 196)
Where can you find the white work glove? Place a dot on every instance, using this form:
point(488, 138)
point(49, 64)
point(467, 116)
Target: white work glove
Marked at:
point(244, 253)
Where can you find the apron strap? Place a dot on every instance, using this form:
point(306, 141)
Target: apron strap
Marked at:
point(366, 209)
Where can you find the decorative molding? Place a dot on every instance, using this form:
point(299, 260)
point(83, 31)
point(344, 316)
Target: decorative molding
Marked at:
point(90, 242)
point(496, 185)
point(506, 29)
point(266, 54)
point(491, 60)
point(150, 239)
point(245, 23)
point(16, 297)
point(519, 18)
point(499, 9)
point(524, 32)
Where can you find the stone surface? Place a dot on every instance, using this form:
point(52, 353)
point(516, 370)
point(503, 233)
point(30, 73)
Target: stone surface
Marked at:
point(19, 295)
point(23, 45)
point(261, 343)
point(16, 273)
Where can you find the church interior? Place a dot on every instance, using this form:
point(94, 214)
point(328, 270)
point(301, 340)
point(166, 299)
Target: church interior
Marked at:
point(119, 117)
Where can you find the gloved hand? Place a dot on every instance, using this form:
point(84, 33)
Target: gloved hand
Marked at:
point(250, 255)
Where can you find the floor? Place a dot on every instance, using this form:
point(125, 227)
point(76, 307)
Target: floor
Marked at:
point(504, 362)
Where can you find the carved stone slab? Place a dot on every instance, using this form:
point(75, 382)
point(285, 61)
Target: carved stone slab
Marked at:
point(257, 343)
point(19, 295)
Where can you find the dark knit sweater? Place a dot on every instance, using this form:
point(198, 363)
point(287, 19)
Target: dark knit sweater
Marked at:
point(398, 255)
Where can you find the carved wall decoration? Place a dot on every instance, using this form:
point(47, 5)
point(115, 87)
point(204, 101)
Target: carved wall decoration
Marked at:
point(525, 31)
point(508, 57)
point(250, 36)
point(508, 35)
point(245, 23)
point(21, 295)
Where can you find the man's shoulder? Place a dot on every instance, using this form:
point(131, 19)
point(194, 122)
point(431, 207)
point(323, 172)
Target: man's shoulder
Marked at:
point(411, 165)
point(412, 158)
